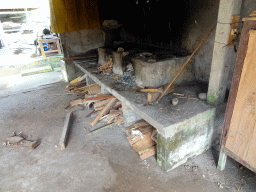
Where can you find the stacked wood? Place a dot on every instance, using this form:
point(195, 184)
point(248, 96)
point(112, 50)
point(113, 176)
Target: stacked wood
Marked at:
point(75, 86)
point(107, 68)
point(110, 111)
point(81, 87)
point(141, 138)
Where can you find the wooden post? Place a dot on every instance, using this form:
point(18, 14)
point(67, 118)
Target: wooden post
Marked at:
point(42, 48)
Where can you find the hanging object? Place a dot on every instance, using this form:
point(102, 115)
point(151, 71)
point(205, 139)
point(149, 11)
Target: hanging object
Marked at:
point(68, 15)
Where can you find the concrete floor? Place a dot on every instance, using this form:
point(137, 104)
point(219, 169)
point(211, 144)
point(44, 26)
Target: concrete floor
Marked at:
point(101, 162)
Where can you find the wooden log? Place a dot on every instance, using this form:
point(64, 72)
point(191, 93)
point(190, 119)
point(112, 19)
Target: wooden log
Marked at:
point(105, 110)
point(65, 131)
point(185, 64)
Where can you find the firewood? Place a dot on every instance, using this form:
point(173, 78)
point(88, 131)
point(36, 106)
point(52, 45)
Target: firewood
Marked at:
point(105, 110)
point(102, 103)
point(99, 97)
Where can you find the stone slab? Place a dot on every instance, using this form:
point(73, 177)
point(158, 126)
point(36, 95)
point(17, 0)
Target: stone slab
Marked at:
point(162, 115)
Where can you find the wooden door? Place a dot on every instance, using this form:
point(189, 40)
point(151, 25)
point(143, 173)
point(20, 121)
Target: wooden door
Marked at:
point(241, 137)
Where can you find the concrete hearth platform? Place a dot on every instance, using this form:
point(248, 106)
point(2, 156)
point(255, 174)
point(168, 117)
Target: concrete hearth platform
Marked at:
point(184, 130)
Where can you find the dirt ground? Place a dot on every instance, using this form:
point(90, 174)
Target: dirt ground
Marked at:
point(101, 162)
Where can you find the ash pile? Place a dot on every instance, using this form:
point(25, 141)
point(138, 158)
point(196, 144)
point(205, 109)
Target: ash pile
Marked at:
point(128, 78)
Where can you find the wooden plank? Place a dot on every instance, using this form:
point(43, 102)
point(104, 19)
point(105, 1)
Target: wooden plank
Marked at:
point(94, 90)
point(135, 138)
point(253, 14)
point(99, 97)
point(102, 103)
point(152, 90)
point(51, 51)
point(249, 19)
point(185, 64)
point(91, 87)
point(241, 139)
point(149, 152)
point(105, 110)
point(115, 112)
point(238, 159)
point(242, 50)
point(76, 80)
point(141, 123)
point(144, 142)
point(76, 102)
point(145, 129)
point(65, 131)
point(234, 24)
point(99, 108)
point(14, 140)
point(29, 144)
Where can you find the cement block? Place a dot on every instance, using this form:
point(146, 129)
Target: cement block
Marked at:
point(89, 81)
point(189, 139)
point(128, 115)
point(157, 74)
point(104, 91)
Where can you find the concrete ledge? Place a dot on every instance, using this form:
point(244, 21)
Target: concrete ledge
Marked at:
point(162, 115)
point(189, 139)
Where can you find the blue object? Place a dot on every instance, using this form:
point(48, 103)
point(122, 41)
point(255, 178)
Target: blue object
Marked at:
point(45, 48)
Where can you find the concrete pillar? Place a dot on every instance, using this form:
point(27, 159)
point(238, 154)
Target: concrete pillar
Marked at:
point(128, 115)
point(222, 54)
point(89, 81)
point(105, 91)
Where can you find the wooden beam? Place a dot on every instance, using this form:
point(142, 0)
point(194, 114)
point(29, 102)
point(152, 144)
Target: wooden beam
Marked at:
point(65, 131)
point(105, 110)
